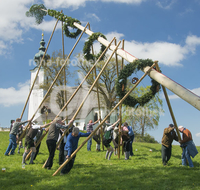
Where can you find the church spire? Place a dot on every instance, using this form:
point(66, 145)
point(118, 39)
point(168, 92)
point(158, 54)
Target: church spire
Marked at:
point(38, 56)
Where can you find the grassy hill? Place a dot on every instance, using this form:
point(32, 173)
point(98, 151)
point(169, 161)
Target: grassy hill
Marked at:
point(144, 171)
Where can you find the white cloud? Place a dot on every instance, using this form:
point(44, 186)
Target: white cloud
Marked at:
point(197, 134)
point(166, 53)
point(11, 96)
point(47, 26)
point(191, 42)
point(93, 16)
point(125, 1)
point(13, 20)
point(3, 47)
point(77, 3)
point(64, 3)
point(166, 4)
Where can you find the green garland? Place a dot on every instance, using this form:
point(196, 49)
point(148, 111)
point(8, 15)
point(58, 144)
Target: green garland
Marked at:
point(87, 47)
point(39, 11)
point(122, 82)
point(68, 22)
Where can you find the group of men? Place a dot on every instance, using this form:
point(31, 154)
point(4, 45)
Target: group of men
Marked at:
point(187, 144)
point(73, 135)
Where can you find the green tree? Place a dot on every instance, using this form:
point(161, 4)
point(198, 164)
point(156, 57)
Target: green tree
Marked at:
point(146, 117)
point(106, 82)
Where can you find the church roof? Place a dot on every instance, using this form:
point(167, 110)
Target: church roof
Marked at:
point(38, 56)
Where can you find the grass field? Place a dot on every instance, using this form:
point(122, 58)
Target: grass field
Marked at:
point(143, 171)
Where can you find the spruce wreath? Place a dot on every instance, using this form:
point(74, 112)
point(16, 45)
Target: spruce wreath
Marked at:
point(121, 83)
point(87, 47)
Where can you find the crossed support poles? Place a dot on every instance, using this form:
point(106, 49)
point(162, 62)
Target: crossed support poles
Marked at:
point(124, 55)
point(69, 100)
point(89, 91)
point(118, 104)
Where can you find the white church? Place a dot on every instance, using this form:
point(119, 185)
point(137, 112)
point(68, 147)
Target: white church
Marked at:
point(49, 109)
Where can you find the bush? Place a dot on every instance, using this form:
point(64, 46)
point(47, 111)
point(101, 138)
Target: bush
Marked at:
point(146, 138)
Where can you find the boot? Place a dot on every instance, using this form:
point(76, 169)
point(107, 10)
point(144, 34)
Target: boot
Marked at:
point(98, 147)
point(18, 149)
point(115, 151)
point(110, 154)
point(126, 155)
point(24, 157)
point(32, 157)
point(107, 154)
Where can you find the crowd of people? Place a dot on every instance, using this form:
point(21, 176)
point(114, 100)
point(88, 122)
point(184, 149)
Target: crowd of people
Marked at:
point(68, 138)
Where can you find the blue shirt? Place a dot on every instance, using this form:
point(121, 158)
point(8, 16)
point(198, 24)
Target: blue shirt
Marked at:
point(130, 131)
point(72, 142)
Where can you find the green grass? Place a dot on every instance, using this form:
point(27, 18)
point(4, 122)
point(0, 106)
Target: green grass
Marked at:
point(91, 171)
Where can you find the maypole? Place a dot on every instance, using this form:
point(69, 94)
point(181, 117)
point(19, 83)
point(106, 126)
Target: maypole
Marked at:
point(176, 88)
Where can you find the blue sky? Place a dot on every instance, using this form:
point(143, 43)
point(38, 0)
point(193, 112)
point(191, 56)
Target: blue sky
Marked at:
point(165, 30)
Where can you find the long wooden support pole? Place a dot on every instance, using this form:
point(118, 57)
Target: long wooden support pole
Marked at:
point(80, 87)
point(32, 85)
point(176, 88)
point(91, 88)
point(97, 78)
point(119, 103)
point(49, 90)
point(169, 105)
point(69, 100)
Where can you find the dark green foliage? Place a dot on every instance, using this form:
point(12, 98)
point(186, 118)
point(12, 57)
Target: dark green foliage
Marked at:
point(122, 82)
point(68, 22)
point(88, 44)
point(35, 11)
point(146, 138)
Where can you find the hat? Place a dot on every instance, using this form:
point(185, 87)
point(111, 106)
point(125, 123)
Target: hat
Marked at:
point(180, 127)
point(171, 125)
point(75, 130)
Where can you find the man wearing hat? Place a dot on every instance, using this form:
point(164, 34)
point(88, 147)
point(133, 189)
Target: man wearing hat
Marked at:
point(168, 136)
point(189, 148)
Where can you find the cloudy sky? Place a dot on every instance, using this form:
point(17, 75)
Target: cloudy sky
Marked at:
point(165, 30)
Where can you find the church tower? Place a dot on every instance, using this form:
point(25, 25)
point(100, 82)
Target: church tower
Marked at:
point(37, 94)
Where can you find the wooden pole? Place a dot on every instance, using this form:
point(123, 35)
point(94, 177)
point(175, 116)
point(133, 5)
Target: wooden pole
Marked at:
point(120, 102)
point(169, 105)
point(95, 74)
point(64, 72)
point(38, 70)
point(74, 95)
point(64, 106)
point(176, 88)
point(87, 95)
point(89, 89)
point(120, 111)
point(23, 134)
